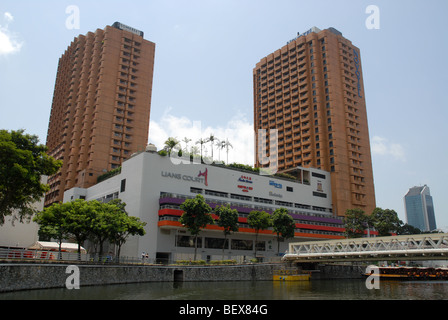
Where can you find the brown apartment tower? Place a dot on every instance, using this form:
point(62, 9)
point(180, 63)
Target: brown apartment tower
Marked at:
point(101, 105)
point(311, 90)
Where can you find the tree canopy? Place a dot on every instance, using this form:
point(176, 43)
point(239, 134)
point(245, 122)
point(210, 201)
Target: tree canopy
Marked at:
point(227, 219)
point(356, 223)
point(259, 220)
point(171, 144)
point(196, 216)
point(283, 225)
point(23, 161)
point(93, 220)
point(384, 221)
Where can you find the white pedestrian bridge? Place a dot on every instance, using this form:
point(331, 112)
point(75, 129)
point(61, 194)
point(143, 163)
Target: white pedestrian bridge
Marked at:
point(432, 246)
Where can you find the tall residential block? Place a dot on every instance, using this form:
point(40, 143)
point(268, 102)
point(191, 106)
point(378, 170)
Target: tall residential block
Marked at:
point(101, 105)
point(420, 208)
point(312, 91)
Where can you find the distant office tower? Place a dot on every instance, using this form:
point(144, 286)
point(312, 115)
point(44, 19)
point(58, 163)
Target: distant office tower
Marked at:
point(420, 209)
point(311, 90)
point(101, 105)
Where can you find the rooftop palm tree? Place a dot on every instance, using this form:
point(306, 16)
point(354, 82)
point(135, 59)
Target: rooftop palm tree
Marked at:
point(226, 145)
point(186, 140)
point(170, 144)
point(219, 144)
point(212, 139)
point(201, 142)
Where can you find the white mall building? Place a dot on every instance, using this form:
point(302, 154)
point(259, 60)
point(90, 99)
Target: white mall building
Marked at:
point(154, 186)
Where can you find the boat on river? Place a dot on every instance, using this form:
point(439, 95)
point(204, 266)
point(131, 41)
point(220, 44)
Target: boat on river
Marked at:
point(410, 273)
point(291, 275)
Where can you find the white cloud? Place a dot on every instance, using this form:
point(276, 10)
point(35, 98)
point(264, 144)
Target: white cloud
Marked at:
point(382, 147)
point(8, 17)
point(238, 130)
point(8, 40)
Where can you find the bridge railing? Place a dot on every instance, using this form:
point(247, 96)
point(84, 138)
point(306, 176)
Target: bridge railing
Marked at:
point(397, 245)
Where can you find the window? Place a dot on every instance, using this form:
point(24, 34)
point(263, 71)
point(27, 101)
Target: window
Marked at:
point(187, 241)
point(241, 244)
point(216, 243)
point(216, 193)
point(318, 175)
point(261, 246)
point(195, 190)
point(123, 185)
point(319, 194)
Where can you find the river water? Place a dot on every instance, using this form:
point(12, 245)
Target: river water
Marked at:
point(354, 289)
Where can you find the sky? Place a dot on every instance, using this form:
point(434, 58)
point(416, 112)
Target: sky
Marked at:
point(206, 51)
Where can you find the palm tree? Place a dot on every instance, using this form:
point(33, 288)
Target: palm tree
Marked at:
point(170, 144)
point(201, 142)
point(211, 139)
point(186, 140)
point(226, 145)
point(219, 145)
point(194, 150)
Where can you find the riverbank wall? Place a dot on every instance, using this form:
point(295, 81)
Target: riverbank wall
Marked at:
point(27, 276)
point(335, 271)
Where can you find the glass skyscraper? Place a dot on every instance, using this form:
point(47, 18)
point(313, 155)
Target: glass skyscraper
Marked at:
point(420, 208)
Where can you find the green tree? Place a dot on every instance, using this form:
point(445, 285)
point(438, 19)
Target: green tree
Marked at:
point(171, 144)
point(386, 221)
point(93, 220)
point(259, 220)
point(78, 220)
point(212, 139)
point(196, 216)
point(52, 222)
point(123, 225)
point(22, 163)
point(126, 226)
point(283, 225)
point(408, 229)
point(228, 219)
point(201, 142)
point(99, 222)
point(226, 145)
point(186, 140)
point(356, 223)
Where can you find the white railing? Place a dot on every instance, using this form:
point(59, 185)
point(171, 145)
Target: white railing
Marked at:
point(19, 254)
point(434, 245)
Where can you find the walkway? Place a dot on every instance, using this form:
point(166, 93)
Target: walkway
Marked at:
point(432, 246)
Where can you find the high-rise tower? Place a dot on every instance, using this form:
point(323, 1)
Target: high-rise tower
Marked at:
point(101, 105)
point(311, 90)
point(420, 208)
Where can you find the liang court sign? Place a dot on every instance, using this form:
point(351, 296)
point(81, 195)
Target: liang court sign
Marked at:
point(200, 178)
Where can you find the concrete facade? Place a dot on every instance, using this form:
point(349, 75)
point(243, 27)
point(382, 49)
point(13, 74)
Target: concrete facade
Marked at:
point(154, 187)
point(16, 234)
